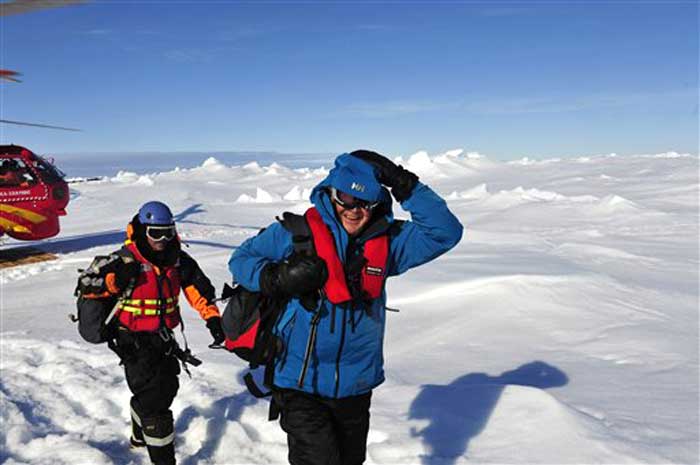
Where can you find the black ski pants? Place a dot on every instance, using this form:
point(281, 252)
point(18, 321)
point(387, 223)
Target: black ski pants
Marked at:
point(151, 373)
point(324, 431)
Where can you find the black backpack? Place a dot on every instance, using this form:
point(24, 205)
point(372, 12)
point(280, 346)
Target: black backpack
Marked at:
point(249, 318)
point(96, 307)
point(94, 318)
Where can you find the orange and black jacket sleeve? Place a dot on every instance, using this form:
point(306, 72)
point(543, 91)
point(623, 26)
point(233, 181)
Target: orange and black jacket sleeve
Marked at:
point(197, 288)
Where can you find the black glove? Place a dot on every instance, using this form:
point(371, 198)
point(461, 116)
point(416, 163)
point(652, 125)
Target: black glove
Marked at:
point(399, 179)
point(125, 272)
point(217, 332)
point(300, 275)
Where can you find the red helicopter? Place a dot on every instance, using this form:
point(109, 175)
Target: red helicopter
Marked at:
point(33, 194)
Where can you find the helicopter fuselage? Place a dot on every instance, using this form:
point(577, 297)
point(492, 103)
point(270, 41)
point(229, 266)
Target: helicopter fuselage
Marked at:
point(33, 194)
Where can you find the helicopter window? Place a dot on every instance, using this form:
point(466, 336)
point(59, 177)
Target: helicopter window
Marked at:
point(48, 172)
point(15, 173)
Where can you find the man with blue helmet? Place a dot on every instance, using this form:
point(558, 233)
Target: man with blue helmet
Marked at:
point(332, 327)
point(142, 282)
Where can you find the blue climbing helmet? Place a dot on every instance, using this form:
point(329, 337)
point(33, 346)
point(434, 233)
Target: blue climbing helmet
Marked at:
point(156, 213)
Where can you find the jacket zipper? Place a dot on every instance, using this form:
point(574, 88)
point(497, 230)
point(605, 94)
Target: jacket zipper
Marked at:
point(311, 341)
point(340, 350)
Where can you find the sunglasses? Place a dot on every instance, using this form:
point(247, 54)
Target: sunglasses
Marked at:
point(160, 233)
point(349, 202)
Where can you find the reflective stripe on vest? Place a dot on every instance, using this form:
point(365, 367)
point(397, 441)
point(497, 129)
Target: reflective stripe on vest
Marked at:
point(124, 306)
point(376, 252)
point(156, 302)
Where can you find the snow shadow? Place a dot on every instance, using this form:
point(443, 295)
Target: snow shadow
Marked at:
point(117, 450)
point(80, 242)
point(218, 245)
point(83, 242)
point(460, 410)
point(197, 208)
point(89, 241)
point(222, 411)
point(191, 210)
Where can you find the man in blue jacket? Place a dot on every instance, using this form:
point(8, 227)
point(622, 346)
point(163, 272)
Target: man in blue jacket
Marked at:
point(333, 325)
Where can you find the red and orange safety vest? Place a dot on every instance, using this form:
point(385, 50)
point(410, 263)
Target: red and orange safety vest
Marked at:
point(154, 297)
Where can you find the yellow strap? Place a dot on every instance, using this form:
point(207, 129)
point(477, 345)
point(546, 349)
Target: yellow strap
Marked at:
point(148, 311)
point(169, 300)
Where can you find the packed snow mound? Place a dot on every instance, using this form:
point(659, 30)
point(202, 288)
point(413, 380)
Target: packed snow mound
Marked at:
point(520, 196)
point(253, 167)
point(212, 164)
point(527, 161)
point(475, 193)
point(597, 253)
point(536, 195)
point(670, 155)
point(421, 164)
point(261, 196)
point(297, 194)
point(528, 415)
point(614, 203)
point(458, 152)
point(481, 192)
point(214, 172)
point(444, 165)
point(127, 177)
point(275, 169)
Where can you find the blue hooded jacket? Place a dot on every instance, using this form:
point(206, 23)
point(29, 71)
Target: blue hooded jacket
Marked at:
point(347, 356)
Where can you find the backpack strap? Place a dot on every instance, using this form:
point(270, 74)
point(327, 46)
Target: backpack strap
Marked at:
point(266, 346)
point(253, 388)
point(127, 257)
point(395, 228)
point(302, 238)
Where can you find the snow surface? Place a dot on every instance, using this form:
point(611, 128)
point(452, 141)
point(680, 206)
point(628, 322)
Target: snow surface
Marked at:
point(562, 329)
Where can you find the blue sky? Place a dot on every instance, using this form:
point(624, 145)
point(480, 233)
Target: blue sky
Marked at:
point(506, 79)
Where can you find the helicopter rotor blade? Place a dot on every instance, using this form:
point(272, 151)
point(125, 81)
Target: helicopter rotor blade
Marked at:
point(23, 6)
point(47, 126)
point(8, 75)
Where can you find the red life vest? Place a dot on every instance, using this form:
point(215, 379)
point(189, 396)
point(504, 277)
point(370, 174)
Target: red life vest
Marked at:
point(141, 310)
point(376, 253)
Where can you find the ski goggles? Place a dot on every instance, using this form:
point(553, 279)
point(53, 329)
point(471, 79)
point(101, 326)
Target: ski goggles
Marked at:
point(349, 202)
point(160, 233)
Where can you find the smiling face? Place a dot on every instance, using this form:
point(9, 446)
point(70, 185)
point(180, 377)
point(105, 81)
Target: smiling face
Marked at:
point(353, 219)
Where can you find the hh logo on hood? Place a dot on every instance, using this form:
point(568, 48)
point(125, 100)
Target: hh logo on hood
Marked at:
point(357, 187)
